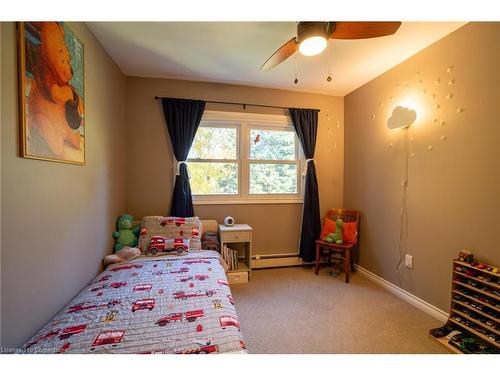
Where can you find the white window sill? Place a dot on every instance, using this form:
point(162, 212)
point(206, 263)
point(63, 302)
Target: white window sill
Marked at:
point(201, 202)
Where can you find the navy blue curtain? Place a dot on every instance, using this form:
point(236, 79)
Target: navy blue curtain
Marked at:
point(305, 122)
point(182, 117)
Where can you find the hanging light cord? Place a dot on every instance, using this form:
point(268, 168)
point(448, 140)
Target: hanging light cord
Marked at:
point(403, 229)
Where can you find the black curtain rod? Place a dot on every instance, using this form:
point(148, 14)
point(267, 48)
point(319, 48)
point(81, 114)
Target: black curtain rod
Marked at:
point(242, 104)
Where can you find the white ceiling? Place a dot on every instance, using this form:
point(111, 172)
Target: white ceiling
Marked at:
point(233, 52)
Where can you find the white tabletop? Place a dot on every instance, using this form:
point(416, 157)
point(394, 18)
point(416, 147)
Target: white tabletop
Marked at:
point(235, 228)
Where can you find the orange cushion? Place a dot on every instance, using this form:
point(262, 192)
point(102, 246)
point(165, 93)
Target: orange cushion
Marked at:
point(328, 227)
point(350, 233)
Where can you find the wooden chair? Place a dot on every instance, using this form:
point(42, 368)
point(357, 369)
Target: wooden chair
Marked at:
point(345, 249)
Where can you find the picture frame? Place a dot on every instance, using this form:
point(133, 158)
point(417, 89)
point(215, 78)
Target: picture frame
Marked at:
point(51, 92)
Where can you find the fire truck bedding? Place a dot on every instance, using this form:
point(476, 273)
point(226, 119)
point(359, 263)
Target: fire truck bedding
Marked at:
point(166, 304)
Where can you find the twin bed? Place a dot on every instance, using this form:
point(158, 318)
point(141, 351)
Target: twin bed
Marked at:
point(165, 304)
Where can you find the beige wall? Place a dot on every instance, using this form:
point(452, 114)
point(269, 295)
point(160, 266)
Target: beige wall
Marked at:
point(57, 218)
point(453, 189)
point(1, 323)
point(276, 227)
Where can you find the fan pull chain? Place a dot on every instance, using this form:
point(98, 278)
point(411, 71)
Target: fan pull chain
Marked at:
point(329, 53)
point(296, 80)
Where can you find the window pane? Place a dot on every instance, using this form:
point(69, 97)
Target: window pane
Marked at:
point(214, 143)
point(272, 144)
point(213, 178)
point(273, 178)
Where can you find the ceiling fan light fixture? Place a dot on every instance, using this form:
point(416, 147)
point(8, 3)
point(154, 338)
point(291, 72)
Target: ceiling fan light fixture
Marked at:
point(312, 46)
point(312, 37)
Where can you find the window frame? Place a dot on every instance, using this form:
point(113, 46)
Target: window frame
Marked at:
point(244, 122)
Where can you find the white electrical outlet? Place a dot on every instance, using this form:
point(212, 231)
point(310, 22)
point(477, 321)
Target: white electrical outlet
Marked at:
point(409, 261)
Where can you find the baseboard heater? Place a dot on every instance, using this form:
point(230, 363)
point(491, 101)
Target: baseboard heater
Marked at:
point(277, 260)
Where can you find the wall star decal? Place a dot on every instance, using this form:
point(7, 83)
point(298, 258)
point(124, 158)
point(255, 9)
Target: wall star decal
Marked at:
point(427, 95)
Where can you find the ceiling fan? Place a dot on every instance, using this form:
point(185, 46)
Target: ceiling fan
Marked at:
point(312, 37)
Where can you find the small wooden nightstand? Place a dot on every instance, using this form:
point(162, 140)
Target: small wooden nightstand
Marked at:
point(238, 233)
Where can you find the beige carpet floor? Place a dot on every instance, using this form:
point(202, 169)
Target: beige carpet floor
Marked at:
point(291, 310)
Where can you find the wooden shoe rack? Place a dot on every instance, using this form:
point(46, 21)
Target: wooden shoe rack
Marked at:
point(474, 312)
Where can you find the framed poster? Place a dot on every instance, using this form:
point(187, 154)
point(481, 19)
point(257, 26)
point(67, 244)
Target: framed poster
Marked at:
point(51, 92)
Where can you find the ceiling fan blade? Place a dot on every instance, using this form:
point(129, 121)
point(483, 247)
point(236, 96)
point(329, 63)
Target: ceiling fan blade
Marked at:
point(363, 30)
point(283, 53)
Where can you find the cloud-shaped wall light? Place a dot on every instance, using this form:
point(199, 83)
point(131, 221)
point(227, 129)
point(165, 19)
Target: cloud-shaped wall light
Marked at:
point(401, 117)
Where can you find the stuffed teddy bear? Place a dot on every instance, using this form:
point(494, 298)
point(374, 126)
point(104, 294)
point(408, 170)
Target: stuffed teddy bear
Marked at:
point(55, 108)
point(126, 234)
point(337, 236)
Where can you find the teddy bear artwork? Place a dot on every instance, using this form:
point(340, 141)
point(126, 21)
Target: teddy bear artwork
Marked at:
point(52, 92)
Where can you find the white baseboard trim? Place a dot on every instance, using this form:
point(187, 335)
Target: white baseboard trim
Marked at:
point(405, 295)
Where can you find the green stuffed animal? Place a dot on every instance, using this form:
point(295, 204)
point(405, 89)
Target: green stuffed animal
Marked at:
point(126, 234)
point(337, 236)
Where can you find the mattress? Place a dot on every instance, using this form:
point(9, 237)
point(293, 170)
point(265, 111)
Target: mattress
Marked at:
point(166, 304)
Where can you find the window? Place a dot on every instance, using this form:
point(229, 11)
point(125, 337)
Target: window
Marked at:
point(273, 161)
point(245, 158)
point(213, 160)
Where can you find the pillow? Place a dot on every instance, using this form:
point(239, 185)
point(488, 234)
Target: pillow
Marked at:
point(159, 245)
point(122, 255)
point(350, 233)
point(180, 245)
point(112, 259)
point(170, 228)
point(128, 252)
point(329, 226)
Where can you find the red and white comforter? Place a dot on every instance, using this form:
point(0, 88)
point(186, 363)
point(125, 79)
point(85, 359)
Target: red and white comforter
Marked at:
point(167, 304)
